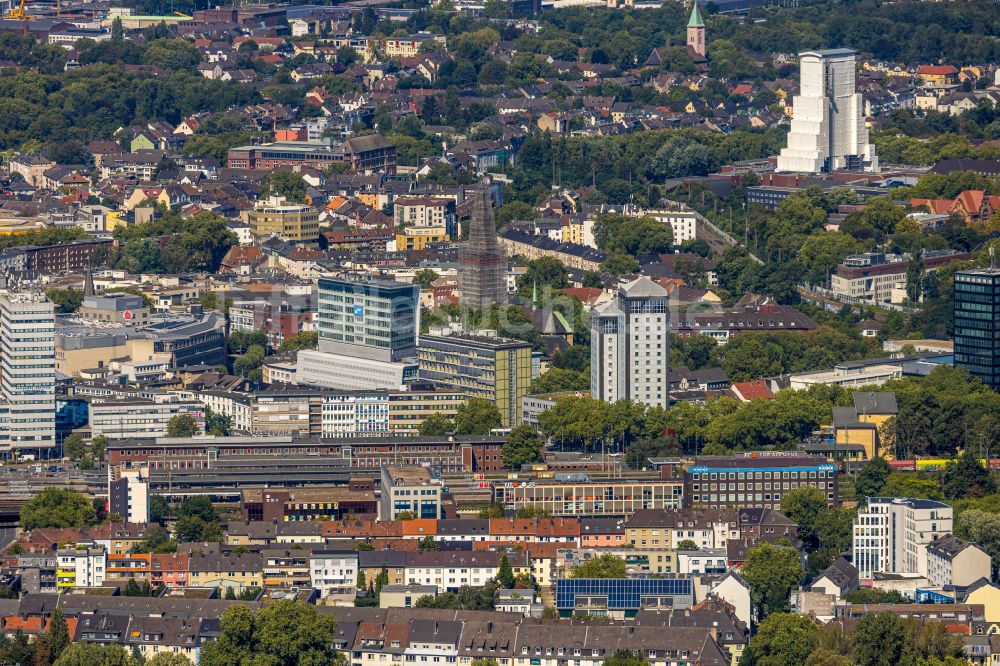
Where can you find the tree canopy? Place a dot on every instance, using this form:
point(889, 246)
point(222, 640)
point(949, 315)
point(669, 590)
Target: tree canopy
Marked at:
point(58, 507)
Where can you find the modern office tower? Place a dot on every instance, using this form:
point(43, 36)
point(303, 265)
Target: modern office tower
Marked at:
point(482, 365)
point(368, 317)
point(828, 125)
point(27, 373)
point(891, 534)
point(367, 327)
point(977, 324)
point(482, 262)
point(630, 346)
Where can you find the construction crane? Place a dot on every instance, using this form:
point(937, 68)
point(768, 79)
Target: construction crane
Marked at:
point(18, 13)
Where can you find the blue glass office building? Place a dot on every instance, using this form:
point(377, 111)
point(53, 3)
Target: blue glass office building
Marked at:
point(368, 318)
point(977, 324)
point(621, 597)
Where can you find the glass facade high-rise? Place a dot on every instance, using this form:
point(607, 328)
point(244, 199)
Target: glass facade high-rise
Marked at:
point(368, 318)
point(977, 323)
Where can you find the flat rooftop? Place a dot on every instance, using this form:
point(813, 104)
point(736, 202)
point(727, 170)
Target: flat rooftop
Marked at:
point(409, 475)
point(336, 494)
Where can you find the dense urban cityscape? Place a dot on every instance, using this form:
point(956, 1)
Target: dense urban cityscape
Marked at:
point(501, 333)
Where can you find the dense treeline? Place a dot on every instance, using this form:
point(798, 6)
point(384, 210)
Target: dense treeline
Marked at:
point(173, 244)
point(92, 102)
point(909, 32)
point(634, 164)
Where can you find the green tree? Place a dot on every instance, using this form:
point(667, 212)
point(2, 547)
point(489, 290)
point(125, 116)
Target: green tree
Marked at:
point(200, 507)
point(241, 341)
point(158, 508)
point(436, 425)
point(428, 544)
point(871, 478)
point(911, 484)
point(217, 424)
point(73, 447)
point(505, 574)
point(880, 639)
point(58, 507)
point(67, 300)
point(362, 582)
point(532, 511)
point(477, 417)
point(58, 634)
point(784, 639)
point(286, 184)
point(556, 380)
point(771, 572)
point(523, 446)
point(171, 54)
point(983, 528)
point(248, 364)
point(821, 253)
point(97, 445)
point(966, 478)
point(94, 654)
point(381, 580)
point(425, 278)
point(616, 233)
point(686, 545)
point(803, 505)
point(619, 263)
point(602, 566)
point(280, 634)
point(182, 425)
point(543, 272)
point(626, 658)
point(834, 525)
point(303, 340)
point(168, 659)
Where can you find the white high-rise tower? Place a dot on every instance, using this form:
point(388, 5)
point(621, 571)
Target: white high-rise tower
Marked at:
point(828, 130)
point(27, 373)
point(630, 346)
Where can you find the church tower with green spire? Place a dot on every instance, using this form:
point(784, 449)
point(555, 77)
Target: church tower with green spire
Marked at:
point(696, 33)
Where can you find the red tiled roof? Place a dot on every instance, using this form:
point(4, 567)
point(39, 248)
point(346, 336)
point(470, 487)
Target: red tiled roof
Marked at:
point(752, 390)
point(937, 70)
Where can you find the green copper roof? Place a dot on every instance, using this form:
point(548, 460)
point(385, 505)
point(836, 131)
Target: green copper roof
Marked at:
point(695, 20)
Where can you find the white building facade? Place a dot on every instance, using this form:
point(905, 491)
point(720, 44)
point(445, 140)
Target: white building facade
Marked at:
point(630, 346)
point(828, 130)
point(333, 572)
point(27, 373)
point(891, 533)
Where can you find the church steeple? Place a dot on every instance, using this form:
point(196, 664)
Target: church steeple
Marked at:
point(696, 33)
point(695, 20)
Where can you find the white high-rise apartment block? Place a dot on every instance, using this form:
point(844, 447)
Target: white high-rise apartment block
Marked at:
point(630, 347)
point(891, 534)
point(27, 373)
point(828, 130)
